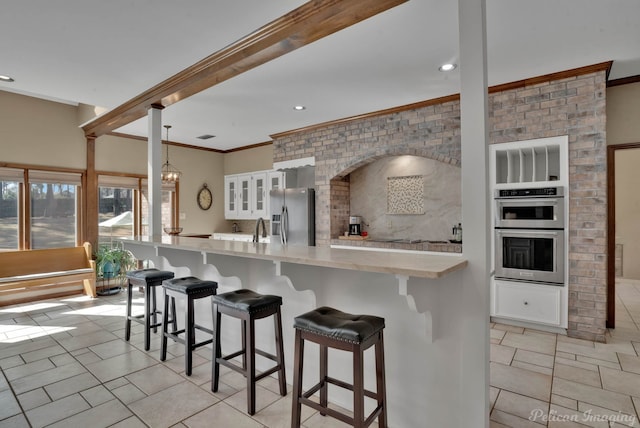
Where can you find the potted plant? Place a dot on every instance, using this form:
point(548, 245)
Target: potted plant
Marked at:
point(112, 264)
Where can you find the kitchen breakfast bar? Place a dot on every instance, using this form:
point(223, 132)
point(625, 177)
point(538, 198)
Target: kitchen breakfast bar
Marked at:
point(416, 293)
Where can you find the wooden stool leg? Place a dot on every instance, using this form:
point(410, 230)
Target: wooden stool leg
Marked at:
point(154, 309)
point(189, 333)
point(324, 362)
point(280, 352)
point(298, 359)
point(243, 340)
point(250, 353)
point(147, 317)
point(165, 324)
point(358, 387)
point(217, 350)
point(127, 324)
point(381, 387)
point(174, 319)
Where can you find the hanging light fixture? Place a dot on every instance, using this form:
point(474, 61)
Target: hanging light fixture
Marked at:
point(169, 174)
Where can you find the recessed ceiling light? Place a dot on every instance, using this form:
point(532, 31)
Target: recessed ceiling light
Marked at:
point(4, 78)
point(447, 67)
point(299, 108)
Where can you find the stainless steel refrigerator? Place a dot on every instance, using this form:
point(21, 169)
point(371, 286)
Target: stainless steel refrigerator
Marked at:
point(293, 216)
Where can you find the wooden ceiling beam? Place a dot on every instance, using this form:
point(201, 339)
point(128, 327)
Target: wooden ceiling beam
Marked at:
point(310, 22)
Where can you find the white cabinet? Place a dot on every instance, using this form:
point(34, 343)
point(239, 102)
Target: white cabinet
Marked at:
point(527, 302)
point(276, 180)
point(230, 197)
point(529, 164)
point(533, 162)
point(246, 196)
point(259, 195)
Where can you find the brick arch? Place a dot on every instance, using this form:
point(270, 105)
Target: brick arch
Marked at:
point(346, 167)
point(334, 186)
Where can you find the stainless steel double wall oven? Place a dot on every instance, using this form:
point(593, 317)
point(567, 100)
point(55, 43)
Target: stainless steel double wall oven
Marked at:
point(529, 235)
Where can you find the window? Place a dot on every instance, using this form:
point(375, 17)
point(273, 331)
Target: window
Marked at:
point(10, 195)
point(54, 209)
point(116, 214)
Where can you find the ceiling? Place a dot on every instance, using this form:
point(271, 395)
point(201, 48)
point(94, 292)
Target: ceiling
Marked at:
point(105, 53)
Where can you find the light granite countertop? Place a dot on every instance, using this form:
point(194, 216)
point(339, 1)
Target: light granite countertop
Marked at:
point(421, 265)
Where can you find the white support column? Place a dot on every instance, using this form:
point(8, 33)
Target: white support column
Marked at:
point(474, 385)
point(154, 167)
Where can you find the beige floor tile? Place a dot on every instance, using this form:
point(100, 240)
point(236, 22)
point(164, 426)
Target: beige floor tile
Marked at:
point(560, 417)
point(588, 351)
point(28, 369)
point(110, 349)
point(131, 422)
point(520, 381)
point(532, 367)
point(37, 380)
point(494, 424)
point(497, 334)
point(56, 410)
point(278, 414)
point(535, 358)
point(8, 405)
point(521, 406)
point(601, 363)
point(598, 413)
point(507, 327)
point(588, 377)
point(120, 365)
point(264, 398)
point(575, 341)
point(223, 415)
point(154, 379)
point(565, 355)
point(564, 402)
point(32, 399)
point(128, 393)
point(621, 346)
point(619, 381)
point(502, 354)
point(10, 362)
point(172, 405)
point(71, 385)
point(97, 395)
point(513, 421)
point(576, 363)
point(544, 344)
point(86, 340)
point(592, 395)
point(629, 363)
point(47, 352)
point(102, 416)
point(493, 395)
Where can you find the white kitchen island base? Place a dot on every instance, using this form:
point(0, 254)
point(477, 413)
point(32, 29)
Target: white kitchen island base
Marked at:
point(424, 322)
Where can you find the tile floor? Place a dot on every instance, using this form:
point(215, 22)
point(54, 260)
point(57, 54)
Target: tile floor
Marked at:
point(540, 379)
point(64, 364)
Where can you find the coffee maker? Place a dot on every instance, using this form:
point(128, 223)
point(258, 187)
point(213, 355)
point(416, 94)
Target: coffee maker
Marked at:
point(355, 227)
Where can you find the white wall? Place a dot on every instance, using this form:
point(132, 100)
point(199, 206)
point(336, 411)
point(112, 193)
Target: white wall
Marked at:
point(442, 198)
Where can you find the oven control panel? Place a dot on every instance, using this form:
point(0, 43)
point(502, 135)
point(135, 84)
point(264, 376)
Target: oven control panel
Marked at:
point(542, 192)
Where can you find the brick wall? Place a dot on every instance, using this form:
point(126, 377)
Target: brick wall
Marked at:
point(573, 106)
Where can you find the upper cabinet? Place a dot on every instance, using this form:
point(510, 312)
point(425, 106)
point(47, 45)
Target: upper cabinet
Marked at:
point(540, 162)
point(246, 196)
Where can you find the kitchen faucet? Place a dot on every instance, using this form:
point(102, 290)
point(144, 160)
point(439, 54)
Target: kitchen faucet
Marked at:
point(264, 230)
point(235, 228)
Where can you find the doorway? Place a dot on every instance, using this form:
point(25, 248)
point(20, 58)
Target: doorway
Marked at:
point(627, 189)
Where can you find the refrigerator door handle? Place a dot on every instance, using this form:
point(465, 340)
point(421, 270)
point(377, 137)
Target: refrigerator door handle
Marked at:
point(284, 225)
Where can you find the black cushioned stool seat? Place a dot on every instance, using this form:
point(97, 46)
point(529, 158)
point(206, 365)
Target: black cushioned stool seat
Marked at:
point(149, 279)
point(331, 328)
point(248, 306)
point(192, 288)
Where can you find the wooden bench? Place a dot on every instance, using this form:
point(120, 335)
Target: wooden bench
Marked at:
point(53, 272)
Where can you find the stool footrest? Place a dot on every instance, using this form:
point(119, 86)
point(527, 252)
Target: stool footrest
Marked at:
point(304, 399)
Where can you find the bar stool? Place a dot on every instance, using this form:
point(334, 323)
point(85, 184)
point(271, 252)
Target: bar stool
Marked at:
point(192, 288)
point(331, 328)
point(248, 306)
point(149, 279)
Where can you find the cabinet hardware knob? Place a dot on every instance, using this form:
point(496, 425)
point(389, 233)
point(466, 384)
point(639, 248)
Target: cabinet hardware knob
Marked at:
point(526, 303)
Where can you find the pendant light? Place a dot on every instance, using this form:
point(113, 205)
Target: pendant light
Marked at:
point(169, 174)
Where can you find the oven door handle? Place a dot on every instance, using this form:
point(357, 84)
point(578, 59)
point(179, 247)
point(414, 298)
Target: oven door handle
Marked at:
point(529, 232)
